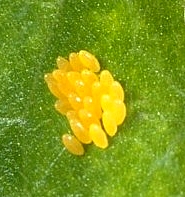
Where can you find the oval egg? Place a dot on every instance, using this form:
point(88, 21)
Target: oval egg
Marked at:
point(92, 106)
point(87, 118)
point(63, 64)
point(52, 85)
point(88, 77)
point(119, 111)
point(116, 91)
point(72, 144)
point(109, 123)
point(80, 131)
point(92, 102)
point(62, 106)
point(75, 101)
point(106, 79)
point(89, 61)
point(106, 102)
point(98, 136)
point(75, 62)
point(81, 88)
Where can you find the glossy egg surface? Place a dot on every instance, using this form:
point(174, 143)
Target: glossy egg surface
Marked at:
point(92, 100)
point(72, 144)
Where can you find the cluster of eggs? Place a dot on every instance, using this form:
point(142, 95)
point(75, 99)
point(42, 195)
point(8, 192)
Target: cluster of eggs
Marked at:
point(92, 101)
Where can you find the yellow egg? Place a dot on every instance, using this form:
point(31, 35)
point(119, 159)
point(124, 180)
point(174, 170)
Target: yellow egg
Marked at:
point(58, 75)
point(88, 77)
point(109, 123)
point(93, 103)
point(89, 104)
point(92, 106)
point(89, 61)
point(106, 102)
point(72, 144)
point(75, 101)
point(80, 131)
point(116, 91)
point(106, 79)
point(98, 136)
point(97, 108)
point(72, 77)
point(63, 64)
point(63, 106)
point(116, 107)
point(87, 118)
point(75, 62)
point(97, 90)
point(81, 88)
point(52, 85)
point(119, 111)
point(72, 115)
point(62, 82)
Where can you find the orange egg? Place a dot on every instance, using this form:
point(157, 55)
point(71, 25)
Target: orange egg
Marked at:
point(72, 144)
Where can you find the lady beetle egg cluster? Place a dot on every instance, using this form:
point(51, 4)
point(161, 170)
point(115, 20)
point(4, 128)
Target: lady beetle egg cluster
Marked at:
point(92, 101)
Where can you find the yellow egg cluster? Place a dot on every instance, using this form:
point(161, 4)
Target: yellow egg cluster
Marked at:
point(92, 101)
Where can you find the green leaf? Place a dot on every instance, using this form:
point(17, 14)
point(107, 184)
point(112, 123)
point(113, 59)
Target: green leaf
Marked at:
point(143, 44)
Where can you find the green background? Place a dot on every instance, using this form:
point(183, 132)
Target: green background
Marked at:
point(143, 44)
